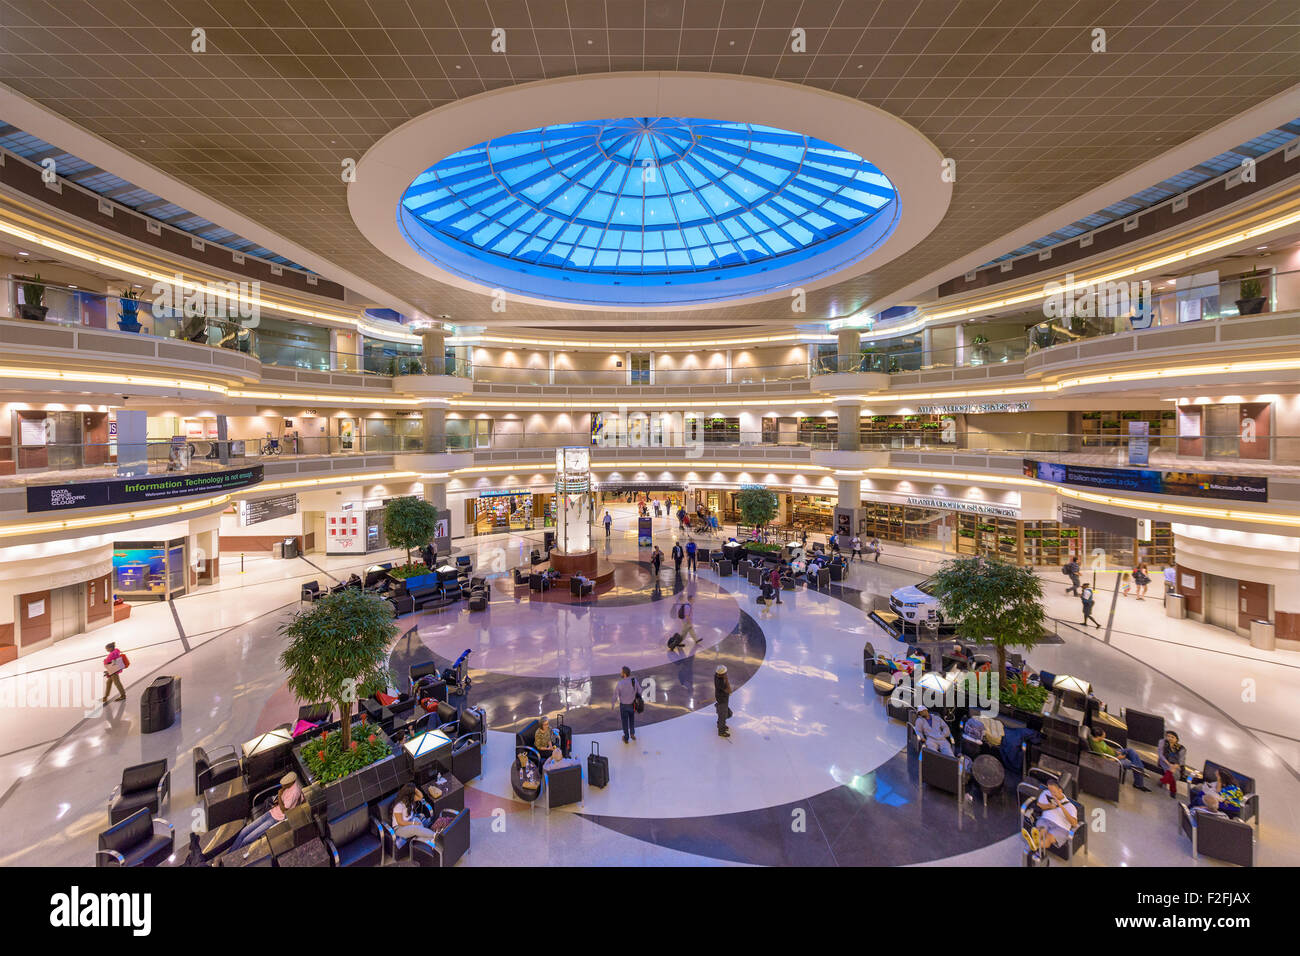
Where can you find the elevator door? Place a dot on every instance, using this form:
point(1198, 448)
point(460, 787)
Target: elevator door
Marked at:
point(1222, 431)
point(1221, 602)
point(67, 611)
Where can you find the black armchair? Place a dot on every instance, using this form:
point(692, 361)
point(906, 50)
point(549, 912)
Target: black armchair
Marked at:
point(1145, 731)
point(310, 592)
point(538, 582)
point(525, 736)
point(218, 766)
point(447, 847)
point(869, 663)
point(355, 838)
point(1217, 836)
point(467, 756)
point(1100, 775)
point(1027, 792)
point(146, 786)
point(563, 786)
point(1250, 805)
point(943, 771)
point(140, 840)
point(316, 713)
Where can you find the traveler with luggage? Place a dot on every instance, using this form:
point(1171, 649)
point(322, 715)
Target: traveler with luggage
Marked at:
point(114, 664)
point(625, 694)
point(1071, 570)
point(722, 698)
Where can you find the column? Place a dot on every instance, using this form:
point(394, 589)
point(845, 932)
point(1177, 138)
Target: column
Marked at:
point(433, 343)
point(728, 366)
point(550, 367)
point(927, 348)
point(850, 494)
point(434, 430)
point(435, 492)
point(850, 350)
point(959, 356)
point(849, 415)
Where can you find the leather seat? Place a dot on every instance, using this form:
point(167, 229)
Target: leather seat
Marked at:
point(526, 735)
point(210, 769)
point(217, 841)
point(447, 847)
point(145, 786)
point(467, 756)
point(563, 786)
point(354, 838)
point(139, 840)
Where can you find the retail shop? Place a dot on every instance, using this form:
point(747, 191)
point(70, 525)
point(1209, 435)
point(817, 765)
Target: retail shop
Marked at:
point(516, 509)
point(150, 570)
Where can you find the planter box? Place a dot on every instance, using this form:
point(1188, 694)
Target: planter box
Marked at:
point(121, 612)
point(369, 783)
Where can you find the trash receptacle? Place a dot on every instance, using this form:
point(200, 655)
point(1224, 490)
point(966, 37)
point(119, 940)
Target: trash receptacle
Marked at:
point(159, 704)
point(1261, 635)
point(1175, 606)
point(277, 549)
point(289, 547)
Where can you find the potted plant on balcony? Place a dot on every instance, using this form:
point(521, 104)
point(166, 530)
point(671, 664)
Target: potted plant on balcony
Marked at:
point(128, 320)
point(338, 645)
point(1252, 293)
point(980, 350)
point(33, 306)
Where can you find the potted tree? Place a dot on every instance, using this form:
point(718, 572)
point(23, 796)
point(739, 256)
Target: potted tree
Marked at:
point(992, 601)
point(757, 507)
point(33, 306)
point(337, 646)
point(980, 350)
point(1252, 293)
point(409, 523)
point(128, 320)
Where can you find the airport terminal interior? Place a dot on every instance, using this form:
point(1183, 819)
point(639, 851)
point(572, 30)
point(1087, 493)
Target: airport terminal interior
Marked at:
point(649, 433)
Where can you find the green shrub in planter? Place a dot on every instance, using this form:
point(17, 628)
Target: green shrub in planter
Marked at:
point(329, 757)
point(402, 572)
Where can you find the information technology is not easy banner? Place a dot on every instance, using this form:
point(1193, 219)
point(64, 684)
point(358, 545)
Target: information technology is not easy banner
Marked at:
point(100, 494)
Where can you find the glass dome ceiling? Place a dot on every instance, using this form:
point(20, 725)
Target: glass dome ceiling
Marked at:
point(648, 211)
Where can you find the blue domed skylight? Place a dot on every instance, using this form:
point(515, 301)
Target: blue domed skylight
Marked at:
point(648, 211)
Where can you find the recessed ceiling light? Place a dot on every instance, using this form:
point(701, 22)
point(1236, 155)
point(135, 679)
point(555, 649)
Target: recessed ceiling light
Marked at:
point(1261, 247)
point(72, 287)
point(24, 253)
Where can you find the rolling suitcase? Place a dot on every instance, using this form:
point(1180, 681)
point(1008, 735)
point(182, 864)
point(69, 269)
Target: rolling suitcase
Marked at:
point(565, 733)
point(597, 767)
point(676, 641)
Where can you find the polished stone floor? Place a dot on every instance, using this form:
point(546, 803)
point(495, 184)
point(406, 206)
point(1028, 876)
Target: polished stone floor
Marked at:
point(814, 772)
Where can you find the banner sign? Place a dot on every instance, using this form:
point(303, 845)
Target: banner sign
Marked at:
point(1185, 484)
point(1139, 443)
point(644, 533)
point(442, 531)
point(100, 494)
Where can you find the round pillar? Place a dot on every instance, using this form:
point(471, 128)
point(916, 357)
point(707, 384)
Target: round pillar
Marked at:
point(850, 350)
point(849, 415)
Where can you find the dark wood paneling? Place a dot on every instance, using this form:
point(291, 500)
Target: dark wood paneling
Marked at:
point(1252, 603)
point(33, 629)
point(1192, 595)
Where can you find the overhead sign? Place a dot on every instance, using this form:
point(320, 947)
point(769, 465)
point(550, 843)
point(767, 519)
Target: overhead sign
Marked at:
point(1184, 484)
point(969, 507)
point(100, 494)
point(266, 509)
point(1100, 521)
point(973, 408)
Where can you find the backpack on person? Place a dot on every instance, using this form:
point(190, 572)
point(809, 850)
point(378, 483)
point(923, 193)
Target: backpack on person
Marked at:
point(676, 642)
point(681, 611)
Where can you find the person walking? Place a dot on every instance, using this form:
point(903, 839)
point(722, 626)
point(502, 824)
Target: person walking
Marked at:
point(875, 548)
point(1071, 570)
point(722, 699)
point(678, 554)
point(1141, 578)
point(774, 579)
point(1086, 599)
point(690, 556)
point(684, 613)
point(625, 700)
point(114, 664)
point(657, 560)
point(428, 554)
point(856, 544)
point(608, 522)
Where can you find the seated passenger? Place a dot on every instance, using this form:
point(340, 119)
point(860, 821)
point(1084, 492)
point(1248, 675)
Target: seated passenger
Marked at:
point(1227, 794)
point(411, 815)
point(1057, 820)
point(290, 796)
point(973, 730)
point(1171, 756)
point(1127, 756)
point(544, 740)
point(932, 732)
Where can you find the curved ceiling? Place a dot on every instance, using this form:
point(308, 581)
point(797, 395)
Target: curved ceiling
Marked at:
point(639, 209)
point(768, 204)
